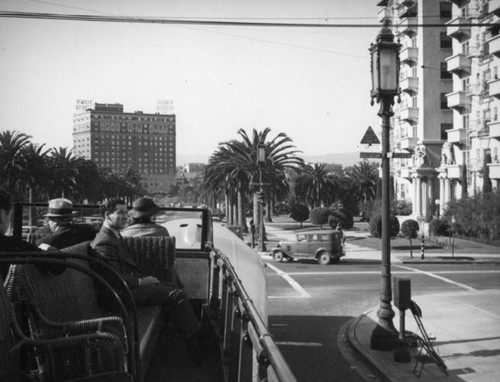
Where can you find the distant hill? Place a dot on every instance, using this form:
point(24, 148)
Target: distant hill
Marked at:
point(345, 159)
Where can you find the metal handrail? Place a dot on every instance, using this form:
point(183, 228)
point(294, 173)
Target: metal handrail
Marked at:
point(253, 329)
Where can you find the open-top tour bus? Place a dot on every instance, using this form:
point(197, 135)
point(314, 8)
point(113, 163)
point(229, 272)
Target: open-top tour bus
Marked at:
point(61, 320)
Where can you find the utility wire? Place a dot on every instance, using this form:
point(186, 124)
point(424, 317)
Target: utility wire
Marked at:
point(192, 21)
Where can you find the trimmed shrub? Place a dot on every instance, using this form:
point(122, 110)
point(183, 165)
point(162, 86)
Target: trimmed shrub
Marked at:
point(409, 229)
point(320, 215)
point(376, 225)
point(403, 207)
point(333, 221)
point(439, 227)
point(343, 217)
point(299, 213)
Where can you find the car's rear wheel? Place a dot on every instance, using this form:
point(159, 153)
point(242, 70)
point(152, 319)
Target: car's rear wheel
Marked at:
point(278, 256)
point(324, 258)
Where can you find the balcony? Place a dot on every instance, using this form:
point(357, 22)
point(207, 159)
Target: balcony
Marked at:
point(409, 114)
point(408, 143)
point(458, 64)
point(494, 87)
point(494, 45)
point(408, 3)
point(494, 170)
point(405, 172)
point(457, 136)
point(384, 15)
point(408, 26)
point(458, 100)
point(474, 89)
point(409, 85)
point(401, 11)
point(459, 28)
point(409, 55)
point(494, 7)
point(454, 171)
point(494, 128)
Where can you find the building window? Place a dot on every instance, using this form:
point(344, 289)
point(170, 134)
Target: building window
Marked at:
point(445, 9)
point(445, 41)
point(444, 101)
point(444, 127)
point(445, 74)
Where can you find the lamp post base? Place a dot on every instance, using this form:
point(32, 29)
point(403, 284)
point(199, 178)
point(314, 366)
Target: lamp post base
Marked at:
point(383, 339)
point(402, 354)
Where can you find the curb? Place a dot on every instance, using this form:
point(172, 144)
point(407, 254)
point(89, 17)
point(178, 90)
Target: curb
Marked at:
point(384, 373)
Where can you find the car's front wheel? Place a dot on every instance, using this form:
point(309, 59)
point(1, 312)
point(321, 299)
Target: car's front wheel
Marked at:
point(324, 258)
point(278, 256)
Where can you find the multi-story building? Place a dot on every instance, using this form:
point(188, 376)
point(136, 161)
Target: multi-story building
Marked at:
point(119, 140)
point(470, 156)
point(422, 118)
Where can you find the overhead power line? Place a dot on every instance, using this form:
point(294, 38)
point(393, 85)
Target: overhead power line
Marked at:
point(187, 21)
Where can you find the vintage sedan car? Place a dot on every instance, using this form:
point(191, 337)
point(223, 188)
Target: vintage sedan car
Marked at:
point(325, 246)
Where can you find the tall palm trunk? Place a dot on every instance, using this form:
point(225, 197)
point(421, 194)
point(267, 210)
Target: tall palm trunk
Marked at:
point(241, 209)
point(268, 209)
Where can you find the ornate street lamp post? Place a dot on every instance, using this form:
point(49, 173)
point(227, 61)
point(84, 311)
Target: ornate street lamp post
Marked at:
point(385, 86)
point(261, 158)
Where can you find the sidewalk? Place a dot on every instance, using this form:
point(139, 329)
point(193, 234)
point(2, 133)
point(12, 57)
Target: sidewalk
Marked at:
point(466, 325)
point(467, 330)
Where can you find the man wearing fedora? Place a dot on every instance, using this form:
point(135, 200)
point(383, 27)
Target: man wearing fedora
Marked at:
point(147, 289)
point(63, 233)
point(142, 224)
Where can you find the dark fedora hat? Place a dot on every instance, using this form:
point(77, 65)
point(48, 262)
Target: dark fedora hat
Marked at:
point(59, 208)
point(143, 207)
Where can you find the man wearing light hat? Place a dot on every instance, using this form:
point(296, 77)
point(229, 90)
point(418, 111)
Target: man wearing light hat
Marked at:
point(63, 232)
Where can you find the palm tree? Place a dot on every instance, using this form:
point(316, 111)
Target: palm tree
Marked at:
point(317, 186)
point(364, 176)
point(12, 161)
point(63, 167)
point(235, 165)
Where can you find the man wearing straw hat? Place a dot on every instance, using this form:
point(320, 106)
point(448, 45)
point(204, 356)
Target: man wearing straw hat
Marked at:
point(63, 233)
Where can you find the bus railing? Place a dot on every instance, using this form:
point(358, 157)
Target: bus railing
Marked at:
point(243, 333)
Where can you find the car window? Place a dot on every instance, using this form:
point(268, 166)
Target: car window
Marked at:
point(301, 237)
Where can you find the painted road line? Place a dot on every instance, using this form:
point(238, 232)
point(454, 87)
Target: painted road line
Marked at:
point(294, 284)
point(378, 273)
point(430, 274)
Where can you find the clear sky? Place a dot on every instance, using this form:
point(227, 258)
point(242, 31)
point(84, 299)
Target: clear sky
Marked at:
point(311, 83)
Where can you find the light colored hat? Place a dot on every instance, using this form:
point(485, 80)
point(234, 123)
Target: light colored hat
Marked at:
point(60, 208)
point(143, 207)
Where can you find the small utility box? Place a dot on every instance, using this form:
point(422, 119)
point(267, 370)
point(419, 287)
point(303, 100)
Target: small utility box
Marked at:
point(402, 292)
point(402, 299)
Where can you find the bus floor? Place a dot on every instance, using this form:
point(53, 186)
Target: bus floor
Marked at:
point(171, 362)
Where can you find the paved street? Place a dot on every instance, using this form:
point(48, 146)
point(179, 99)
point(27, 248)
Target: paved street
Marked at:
point(309, 303)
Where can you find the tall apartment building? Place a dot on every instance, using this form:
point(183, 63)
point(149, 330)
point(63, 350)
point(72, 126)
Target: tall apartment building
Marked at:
point(422, 118)
point(118, 140)
point(470, 157)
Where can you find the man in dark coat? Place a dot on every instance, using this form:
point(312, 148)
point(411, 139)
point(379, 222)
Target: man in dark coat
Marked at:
point(9, 243)
point(147, 290)
point(63, 232)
